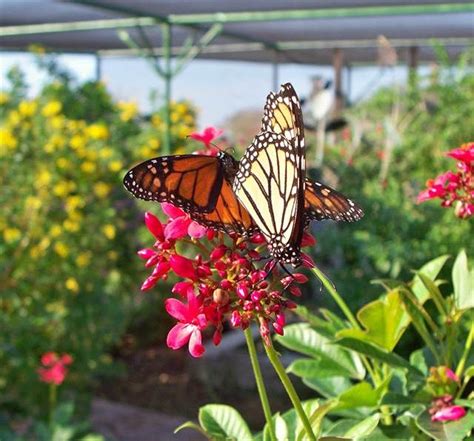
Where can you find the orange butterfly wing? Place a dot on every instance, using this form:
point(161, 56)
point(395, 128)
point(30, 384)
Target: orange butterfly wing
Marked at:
point(323, 202)
point(200, 185)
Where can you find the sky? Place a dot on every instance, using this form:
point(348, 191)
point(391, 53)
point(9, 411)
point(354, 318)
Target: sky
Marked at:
point(218, 88)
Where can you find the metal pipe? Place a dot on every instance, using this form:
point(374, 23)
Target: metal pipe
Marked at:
point(302, 14)
point(166, 36)
point(303, 45)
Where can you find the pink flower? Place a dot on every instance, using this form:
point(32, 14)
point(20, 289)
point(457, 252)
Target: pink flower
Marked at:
point(465, 153)
point(208, 135)
point(451, 375)
point(154, 226)
point(53, 369)
point(450, 413)
point(180, 224)
point(183, 266)
point(191, 322)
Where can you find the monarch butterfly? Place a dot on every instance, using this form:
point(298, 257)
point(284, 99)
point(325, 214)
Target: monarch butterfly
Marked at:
point(266, 191)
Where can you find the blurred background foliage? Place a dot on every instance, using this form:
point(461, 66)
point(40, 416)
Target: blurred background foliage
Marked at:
point(397, 140)
point(69, 232)
point(68, 270)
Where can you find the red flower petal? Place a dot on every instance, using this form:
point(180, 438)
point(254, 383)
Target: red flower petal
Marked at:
point(146, 253)
point(451, 413)
point(49, 358)
point(171, 211)
point(154, 225)
point(178, 310)
point(183, 266)
point(179, 335)
point(196, 230)
point(196, 348)
point(149, 283)
point(177, 228)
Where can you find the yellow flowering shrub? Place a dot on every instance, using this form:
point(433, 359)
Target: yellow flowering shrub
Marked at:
point(67, 227)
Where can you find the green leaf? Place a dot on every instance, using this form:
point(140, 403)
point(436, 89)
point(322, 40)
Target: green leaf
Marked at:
point(395, 432)
point(384, 322)
point(378, 353)
point(222, 421)
point(328, 387)
point(417, 313)
point(364, 428)
point(309, 368)
point(434, 293)
point(463, 281)
point(360, 395)
point(302, 338)
point(430, 270)
point(469, 372)
point(316, 412)
point(451, 431)
point(396, 399)
point(465, 403)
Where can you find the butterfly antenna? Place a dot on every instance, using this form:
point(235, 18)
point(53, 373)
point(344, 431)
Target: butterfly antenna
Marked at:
point(271, 268)
point(284, 268)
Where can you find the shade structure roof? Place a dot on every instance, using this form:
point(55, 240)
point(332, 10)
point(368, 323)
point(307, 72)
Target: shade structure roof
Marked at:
point(298, 31)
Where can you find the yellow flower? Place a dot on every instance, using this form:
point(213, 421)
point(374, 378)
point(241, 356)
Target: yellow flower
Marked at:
point(57, 122)
point(7, 140)
point(154, 143)
point(101, 189)
point(56, 308)
point(33, 203)
point(55, 231)
point(14, 118)
point(88, 167)
point(115, 166)
point(92, 155)
point(174, 117)
point(71, 226)
point(11, 234)
point(27, 108)
point(77, 142)
point(51, 109)
point(109, 231)
point(156, 121)
point(83, 259)
point(63, 188)
point(63, 163)
point(61, 249)
point(105, 153)
point(44, 244)
point(37, 49)
point(189, 119)
point(72, 285)
point(181, 109)
point(73, 202)
point(98, 131)
point(183, 131)
point(35, 252)
point(128, 110)
point(44, 177)
point(4, 98)
point(145, 152)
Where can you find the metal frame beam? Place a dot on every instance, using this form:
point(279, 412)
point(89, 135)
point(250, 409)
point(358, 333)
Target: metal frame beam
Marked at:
point(302, 45)
point(142, 19)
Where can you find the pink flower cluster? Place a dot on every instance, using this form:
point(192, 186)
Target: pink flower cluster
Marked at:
point(455, 188)
point(54, 367)
point(443, 383)
point(224, 282)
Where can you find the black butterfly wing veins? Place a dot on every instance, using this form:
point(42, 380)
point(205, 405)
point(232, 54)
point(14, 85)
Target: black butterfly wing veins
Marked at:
point(199, 185)
point(323, 202)
point(267, 186)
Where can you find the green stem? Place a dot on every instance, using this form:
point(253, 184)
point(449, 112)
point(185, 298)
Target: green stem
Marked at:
point(260, 383)
point(52, 401)
point(467, 349)
point(290, 390)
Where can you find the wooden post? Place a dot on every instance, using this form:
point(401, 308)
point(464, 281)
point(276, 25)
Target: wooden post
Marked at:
point(338, 63)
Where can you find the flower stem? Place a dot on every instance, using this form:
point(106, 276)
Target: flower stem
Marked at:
point(467, 349)
point(52, 401)
point(290, 390)
point(260, 384)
